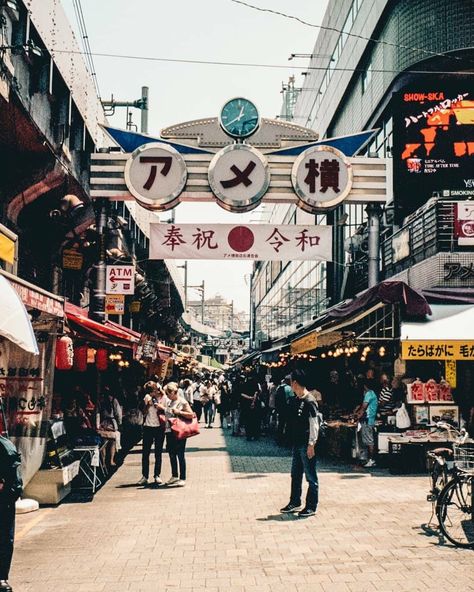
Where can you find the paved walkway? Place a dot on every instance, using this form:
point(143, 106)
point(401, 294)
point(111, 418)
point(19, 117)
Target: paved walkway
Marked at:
point(223, 532)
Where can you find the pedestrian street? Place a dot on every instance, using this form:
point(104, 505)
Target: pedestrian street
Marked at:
point(223, 531)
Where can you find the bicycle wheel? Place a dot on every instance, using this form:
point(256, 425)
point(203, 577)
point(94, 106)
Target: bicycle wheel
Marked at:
point(455, 511)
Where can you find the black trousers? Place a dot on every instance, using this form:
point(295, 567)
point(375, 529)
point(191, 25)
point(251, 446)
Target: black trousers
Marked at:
point(150, 436)
point(197, 408)
point(7, 535)
point(176, 449)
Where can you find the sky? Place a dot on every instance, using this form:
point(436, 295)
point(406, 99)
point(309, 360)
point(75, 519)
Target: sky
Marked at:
point(208, 30)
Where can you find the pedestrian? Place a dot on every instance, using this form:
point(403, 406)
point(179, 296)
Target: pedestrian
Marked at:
point(207, 400)
point(11, 487)
point(154, 424)
point(366, 414)
point(251, 408)
point(176, 406)
point(283, 397)
point(303, 424)
point(224, 406)
point(187, 388)
point(109, 421)
point(197, 404)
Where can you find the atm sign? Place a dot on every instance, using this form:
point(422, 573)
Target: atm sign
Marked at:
point(120, 279)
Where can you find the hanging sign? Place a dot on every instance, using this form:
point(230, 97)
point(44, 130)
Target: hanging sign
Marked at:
point(120, 279)
point(305, 343)
point(72, 259)
point(438, 350)
point(450, 372)
point(115, 304)
point(262, 242)
point(464, 223)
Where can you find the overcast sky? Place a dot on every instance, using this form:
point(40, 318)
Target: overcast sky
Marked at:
point(205, 30)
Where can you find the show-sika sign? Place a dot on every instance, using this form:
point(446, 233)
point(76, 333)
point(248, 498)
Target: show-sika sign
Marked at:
point(120, 279)
point(262, 242)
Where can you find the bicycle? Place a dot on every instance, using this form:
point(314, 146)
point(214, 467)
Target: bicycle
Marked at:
point(454, 502)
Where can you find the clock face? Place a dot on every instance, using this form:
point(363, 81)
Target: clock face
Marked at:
point(239, 118)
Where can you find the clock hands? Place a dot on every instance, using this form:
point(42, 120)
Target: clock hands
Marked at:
point(238, 118)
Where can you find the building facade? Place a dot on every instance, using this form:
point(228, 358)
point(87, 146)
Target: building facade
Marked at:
point(376, 64)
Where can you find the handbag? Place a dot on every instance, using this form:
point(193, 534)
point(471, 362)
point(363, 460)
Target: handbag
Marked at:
point(184, 428)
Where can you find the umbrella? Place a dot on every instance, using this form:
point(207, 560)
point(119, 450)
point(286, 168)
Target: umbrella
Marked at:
point(15, 322)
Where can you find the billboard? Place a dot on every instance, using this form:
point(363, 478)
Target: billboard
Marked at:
point(433, 144)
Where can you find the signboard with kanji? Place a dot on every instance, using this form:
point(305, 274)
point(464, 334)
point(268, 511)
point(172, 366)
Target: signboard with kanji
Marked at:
point(438, 350)
point(72, 259)
point(262, 242)
point(120, 279)
point(305, 343)
point(115, 304)
point(321, 177)
point(464, 223)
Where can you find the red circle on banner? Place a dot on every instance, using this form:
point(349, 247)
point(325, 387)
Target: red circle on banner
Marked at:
point(240, 239)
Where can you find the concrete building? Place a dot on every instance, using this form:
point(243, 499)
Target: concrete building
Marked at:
point(372, 62)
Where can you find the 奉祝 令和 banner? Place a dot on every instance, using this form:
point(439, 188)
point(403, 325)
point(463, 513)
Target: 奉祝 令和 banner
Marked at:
point(267, 242)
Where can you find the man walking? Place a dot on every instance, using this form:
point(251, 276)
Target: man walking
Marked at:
point(11, 487)
point(303, 423)
point(367, 414)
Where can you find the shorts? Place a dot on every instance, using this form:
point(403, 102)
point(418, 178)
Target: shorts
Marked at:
point(367, 433)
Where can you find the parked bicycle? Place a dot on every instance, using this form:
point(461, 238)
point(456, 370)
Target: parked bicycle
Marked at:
point(452, 487)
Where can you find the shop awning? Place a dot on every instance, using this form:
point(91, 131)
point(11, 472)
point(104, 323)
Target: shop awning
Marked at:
point(15, 323)
point(246, 358)
point(91, 330)
point(447, 334)
point(273, 354)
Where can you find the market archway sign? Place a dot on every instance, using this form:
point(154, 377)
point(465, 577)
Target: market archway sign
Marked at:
point(240, 173)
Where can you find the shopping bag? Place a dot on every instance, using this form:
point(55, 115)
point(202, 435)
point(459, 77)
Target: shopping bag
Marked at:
point(184, 428)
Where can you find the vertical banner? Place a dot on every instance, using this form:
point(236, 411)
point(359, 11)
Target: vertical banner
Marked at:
point(26, 384)
point(450, 372)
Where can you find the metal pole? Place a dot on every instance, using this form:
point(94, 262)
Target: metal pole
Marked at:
point(185, 286)
point(144, 113)
point(98, 291)
point(373, 211)
point(202, 303)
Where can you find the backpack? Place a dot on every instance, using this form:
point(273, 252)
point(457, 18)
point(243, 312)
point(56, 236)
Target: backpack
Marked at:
point(10, 470)
point(322, 424)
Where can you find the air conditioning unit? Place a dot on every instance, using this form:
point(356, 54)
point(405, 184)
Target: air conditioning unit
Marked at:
point(356, 243)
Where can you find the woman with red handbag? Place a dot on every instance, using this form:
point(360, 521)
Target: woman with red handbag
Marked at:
point(154, 424)
point(176, 408)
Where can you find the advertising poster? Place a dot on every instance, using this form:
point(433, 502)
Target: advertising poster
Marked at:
point(433, 147)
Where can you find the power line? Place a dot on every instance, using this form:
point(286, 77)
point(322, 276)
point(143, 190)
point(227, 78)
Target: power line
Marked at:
point(244, 64)
point(333, 29)
point(87, 53)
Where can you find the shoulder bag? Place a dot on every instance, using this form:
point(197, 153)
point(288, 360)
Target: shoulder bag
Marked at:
point(184, 428)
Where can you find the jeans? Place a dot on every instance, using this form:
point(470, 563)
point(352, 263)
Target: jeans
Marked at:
point(209, 412)
point(300, 465)
point(176, 449)
point(7, 535)
point(150, 435)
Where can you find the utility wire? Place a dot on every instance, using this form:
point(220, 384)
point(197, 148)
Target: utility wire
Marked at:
point(333, 29)
point(85, 44)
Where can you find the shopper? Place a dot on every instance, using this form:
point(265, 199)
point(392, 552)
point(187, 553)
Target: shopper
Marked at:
point(197, 404)
point(283, 398)
point(366, 414)
point(176, 406)
point(250, 412)
point(303, 424)
point(109, 419)
point(208, 391)
point(154, 424)
point(386, 403)
point(11, 487)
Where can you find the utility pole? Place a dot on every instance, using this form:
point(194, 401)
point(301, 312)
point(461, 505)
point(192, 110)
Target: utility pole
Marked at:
point(144, 111)
point(373, 212)
point(98, 291)
point(202, 303)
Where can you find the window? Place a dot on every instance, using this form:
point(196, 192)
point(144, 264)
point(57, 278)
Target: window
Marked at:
point(366, 77)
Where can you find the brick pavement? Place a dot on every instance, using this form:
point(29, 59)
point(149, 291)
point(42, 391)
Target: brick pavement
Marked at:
point(223, 532)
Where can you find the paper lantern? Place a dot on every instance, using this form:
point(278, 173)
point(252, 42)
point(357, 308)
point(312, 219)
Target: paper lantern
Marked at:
point(101, 359)
point(80, 358)
point(64, 353)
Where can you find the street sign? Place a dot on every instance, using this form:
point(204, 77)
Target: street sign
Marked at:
point(322, 178)
point(262, 242)
point(115, 304)
point(120, 279)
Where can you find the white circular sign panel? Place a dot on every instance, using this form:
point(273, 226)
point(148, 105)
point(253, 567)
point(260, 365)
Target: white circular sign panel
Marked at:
point(155, 175)
point(239, 177)
point(322, 178)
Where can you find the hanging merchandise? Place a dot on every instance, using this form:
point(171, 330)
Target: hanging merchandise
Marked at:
point(80, 358)
point(64, 353)
point(102, 359)
point(431, 391)
point(402, 419)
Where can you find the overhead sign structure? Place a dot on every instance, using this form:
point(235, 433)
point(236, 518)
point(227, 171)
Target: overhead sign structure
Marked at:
point(120, 279)
point(262, 242)
point(438, 350)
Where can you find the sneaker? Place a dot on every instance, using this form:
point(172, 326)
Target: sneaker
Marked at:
point(181, 483)
point(143, 481)
point(158, 481)
point(5, 586)
point(306, 513)
point(172, 481)
point(370, 463)
point(290, 508)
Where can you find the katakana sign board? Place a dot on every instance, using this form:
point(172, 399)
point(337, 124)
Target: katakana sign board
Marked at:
point(264, 242)
point(155, 175)
point(120, 279)
point(239, 177)
point(438, 350)
point(322, 178)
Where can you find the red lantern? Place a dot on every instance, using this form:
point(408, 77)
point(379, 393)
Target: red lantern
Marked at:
point(64, 353)
point(80, 358)
point(102, 359)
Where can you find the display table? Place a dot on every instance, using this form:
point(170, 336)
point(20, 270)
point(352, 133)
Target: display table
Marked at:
point(408, 453)
point(50, 486)
point(89, 462)
point(339, 439)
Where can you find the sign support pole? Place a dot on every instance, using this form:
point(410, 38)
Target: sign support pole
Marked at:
point(98, 292)
point(373, 212)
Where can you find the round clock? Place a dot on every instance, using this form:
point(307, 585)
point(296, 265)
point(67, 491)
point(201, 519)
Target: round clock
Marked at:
point(239, 118)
